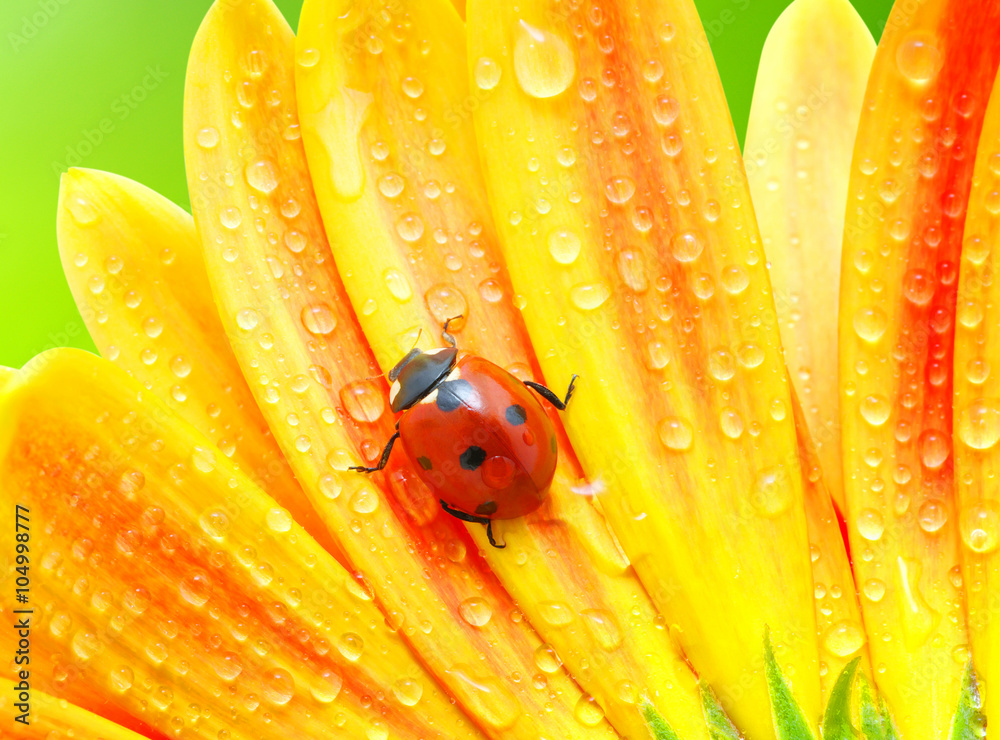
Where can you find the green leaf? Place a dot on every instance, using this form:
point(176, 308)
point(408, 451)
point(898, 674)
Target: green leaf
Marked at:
point(789, 721)
point(876, 724)
point(969, 722)
point(720, 727)
point(659, 728)
point(837, 719)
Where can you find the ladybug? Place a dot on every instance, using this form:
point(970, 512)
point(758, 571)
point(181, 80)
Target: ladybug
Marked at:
point(476, 435)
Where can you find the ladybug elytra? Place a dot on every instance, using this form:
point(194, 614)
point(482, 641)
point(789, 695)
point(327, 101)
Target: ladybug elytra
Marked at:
point(476, 434)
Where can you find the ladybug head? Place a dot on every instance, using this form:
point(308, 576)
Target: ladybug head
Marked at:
point(416, 375)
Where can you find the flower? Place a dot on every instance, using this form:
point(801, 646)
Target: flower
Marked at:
point(199, 559)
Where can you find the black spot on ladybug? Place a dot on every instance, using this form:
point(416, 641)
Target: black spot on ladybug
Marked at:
point(552, 443)
point(516, 415)
point(425, 462)
point(472, 458)
point(454, 393)
point(487, 509)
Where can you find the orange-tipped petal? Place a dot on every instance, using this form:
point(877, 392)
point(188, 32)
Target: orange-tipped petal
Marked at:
point(625, 218)
point(839, 628)
point(910, 182)
point(977, 405)
point(803, 121)
point(161, 578)
point(561, 564)
point(297, 339)
point(134, 264)
point(49, 718)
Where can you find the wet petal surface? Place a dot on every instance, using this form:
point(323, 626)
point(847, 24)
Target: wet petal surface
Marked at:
point(625, 220)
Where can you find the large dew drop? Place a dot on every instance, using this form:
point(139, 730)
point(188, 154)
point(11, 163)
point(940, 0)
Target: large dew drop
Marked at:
point(979, 424)
point(543, 62)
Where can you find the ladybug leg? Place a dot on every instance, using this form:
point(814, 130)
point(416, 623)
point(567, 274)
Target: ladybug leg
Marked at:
point(382, 460)
point(475, 520)
point(551, 397)
point(444, 331)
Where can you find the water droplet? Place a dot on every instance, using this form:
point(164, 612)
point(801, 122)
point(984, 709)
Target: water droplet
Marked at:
point(979, 524)
point(874, 589)
point(932, 516)
point(319, 319)
point(231, 217)
point(279, 520)
point(870, 524)
point(391, 185)
point(735, 279)
point(277, 687)
point(665, 110)
point(207, 137)
point(491, 291)
point(589, 296)
point(876, 409)
point(350, 646)
point(412, 87)
point(121, 678)
point(475, 611)
point(262, 175)
point(487, 73)
point(935, 448)
point(180, 367)
point(543, 62)
point(564, 246)
point(446, 302)
point(195, 588)
point(588, 712)
point(407, 691)
point(979, 424)
point(308, 57)
point(619, 188)
point(227, 666)
point(362, 401)
point(203, 459)
point(731, 423)
point(843, 639)
point(676, 434)
point(870, 324)
point(918, 286)
point(721, 364)
point(918, 57)
point(326, 687)
point(686, 246)
point(632, 269)
point(410, 227)
point(398, 285)
point(547, 659)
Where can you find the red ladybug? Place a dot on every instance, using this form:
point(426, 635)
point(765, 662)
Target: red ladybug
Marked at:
point(475, 433)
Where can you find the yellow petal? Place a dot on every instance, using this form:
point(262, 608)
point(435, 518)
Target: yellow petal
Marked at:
point(910, 180)
point(162, 578)
point(803, 121)
point(295, 335)
point(618, 190)
point(6, 374)
point(47, 718)
point(561, 564)
point(839, 628)
point(977, 404)
point(133, 261)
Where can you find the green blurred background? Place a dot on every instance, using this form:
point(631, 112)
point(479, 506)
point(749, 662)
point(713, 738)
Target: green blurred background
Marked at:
point(68, 65)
